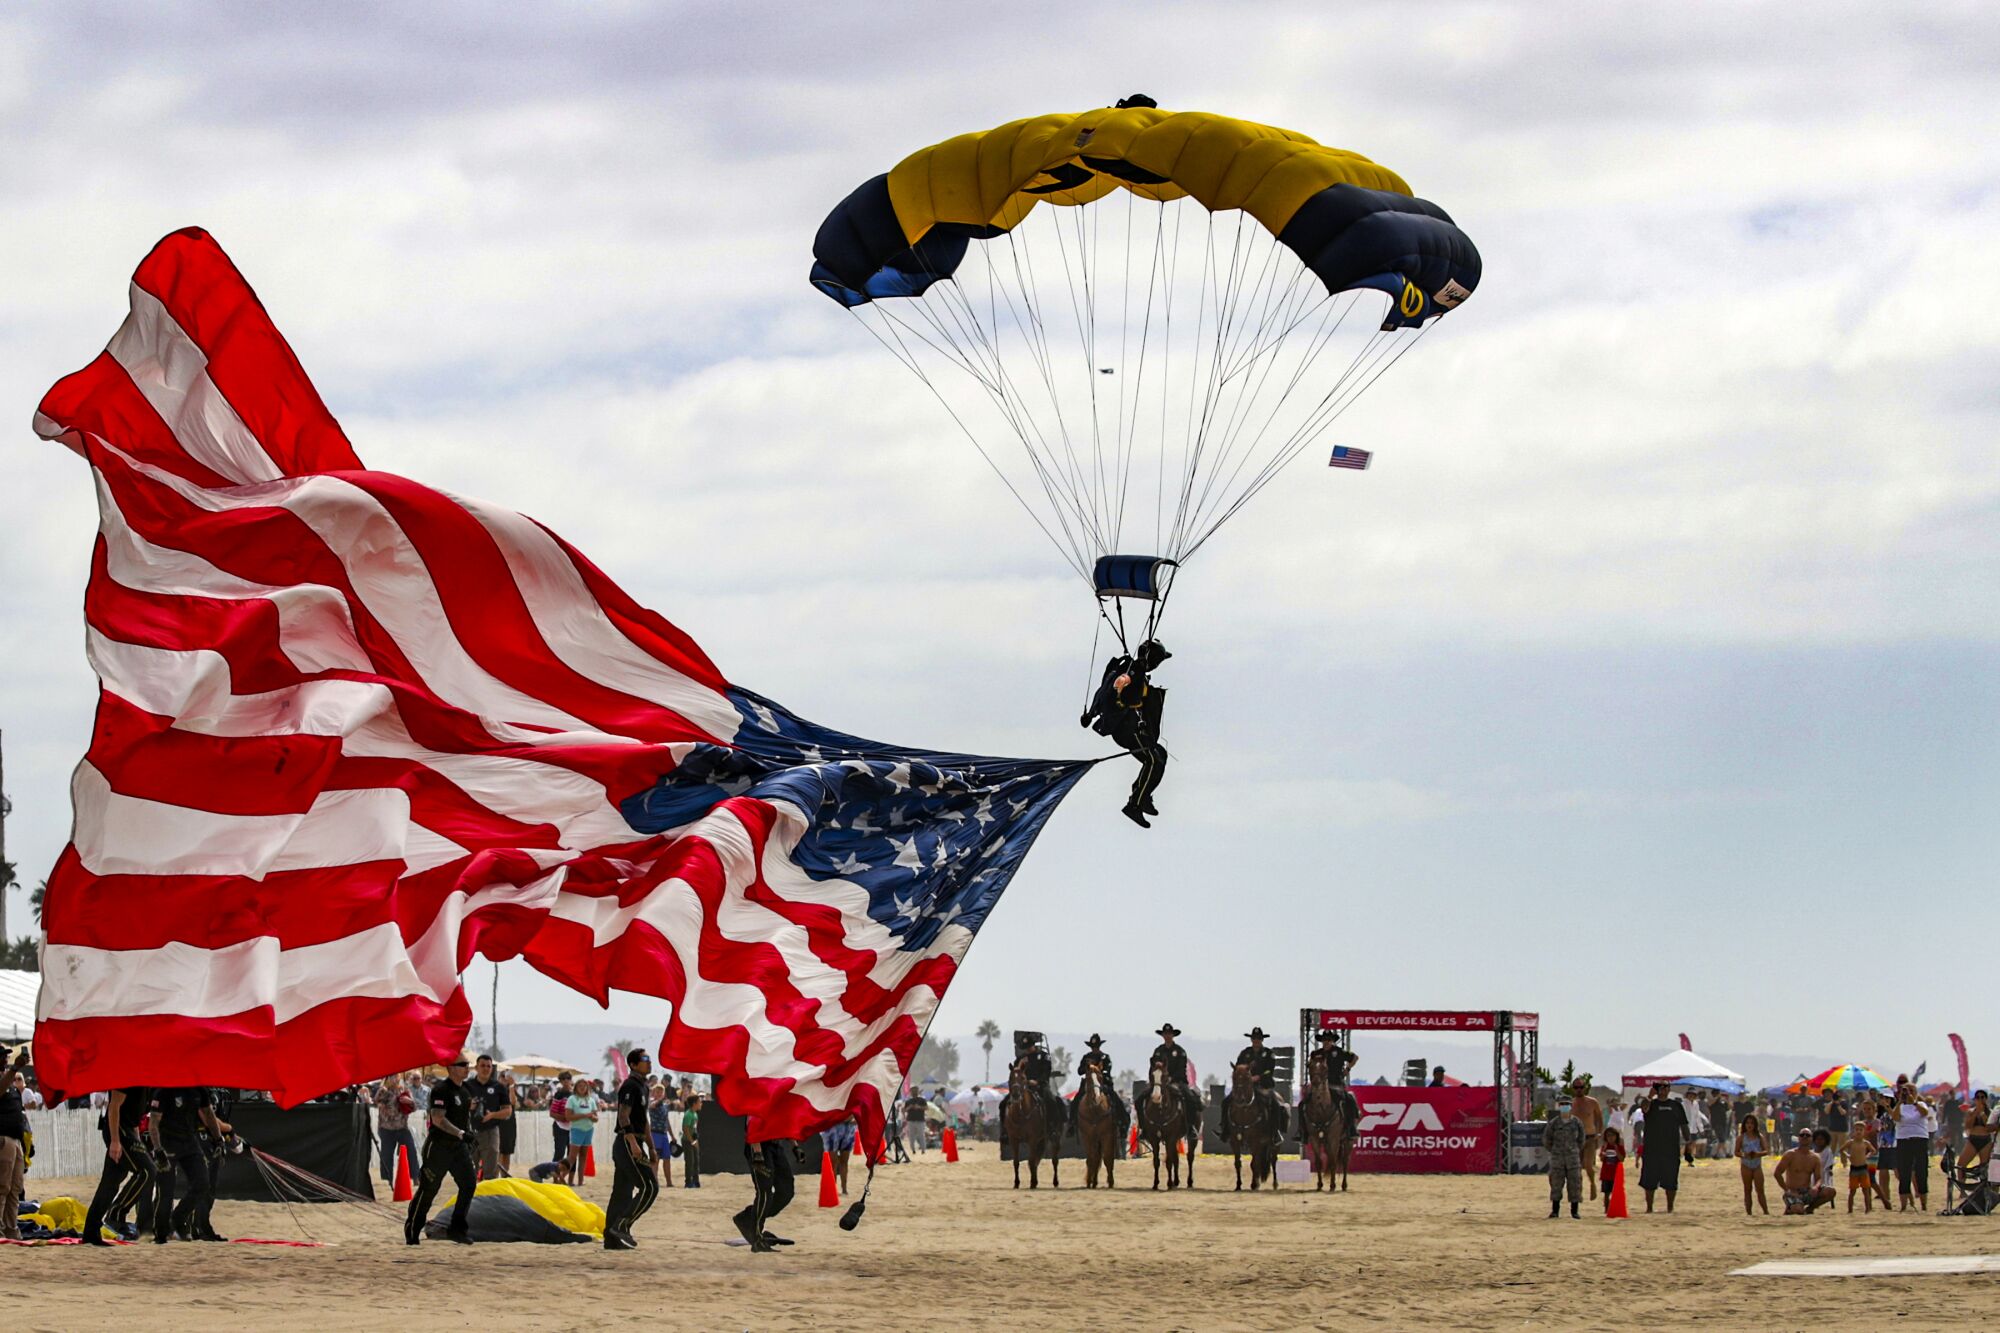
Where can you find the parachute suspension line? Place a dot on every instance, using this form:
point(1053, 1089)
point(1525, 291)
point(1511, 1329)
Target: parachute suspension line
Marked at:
point(1069, 553)
point(1007, 399)
point(1322, 337)
point(1090, 668)
point(1291, 450)
point(1024, 263)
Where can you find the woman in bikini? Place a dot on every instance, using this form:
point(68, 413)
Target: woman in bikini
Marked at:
point(1978, 1150)
point(1750, 1157)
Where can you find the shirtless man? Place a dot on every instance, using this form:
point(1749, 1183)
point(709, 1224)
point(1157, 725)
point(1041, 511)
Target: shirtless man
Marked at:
point(1801, 1177)
point(1590, 1113)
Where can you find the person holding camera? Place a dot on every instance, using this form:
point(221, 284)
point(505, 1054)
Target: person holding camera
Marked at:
point(1912, 1112)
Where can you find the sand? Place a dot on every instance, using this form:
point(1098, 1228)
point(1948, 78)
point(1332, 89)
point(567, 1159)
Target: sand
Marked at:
point(955, 1247)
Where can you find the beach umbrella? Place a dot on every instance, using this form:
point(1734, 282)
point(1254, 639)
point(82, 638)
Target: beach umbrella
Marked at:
point(1842, 1078)
point(540, 1066)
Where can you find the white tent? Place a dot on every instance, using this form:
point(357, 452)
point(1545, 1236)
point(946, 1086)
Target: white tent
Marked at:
point(1682, 1067)
point(984, 1098)
point(17, 1004)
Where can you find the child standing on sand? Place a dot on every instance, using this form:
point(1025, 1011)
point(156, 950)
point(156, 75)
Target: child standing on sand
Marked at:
point(1609, 1154)
point(1858, 1153)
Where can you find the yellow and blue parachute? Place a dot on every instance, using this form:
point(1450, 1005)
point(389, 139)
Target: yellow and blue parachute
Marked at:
point(1140, 316)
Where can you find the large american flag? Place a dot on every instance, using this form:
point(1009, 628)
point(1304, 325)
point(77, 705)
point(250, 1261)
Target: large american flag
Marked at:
point(352, 731)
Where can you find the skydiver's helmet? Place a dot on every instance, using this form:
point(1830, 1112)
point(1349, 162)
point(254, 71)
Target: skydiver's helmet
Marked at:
point(1151, 653)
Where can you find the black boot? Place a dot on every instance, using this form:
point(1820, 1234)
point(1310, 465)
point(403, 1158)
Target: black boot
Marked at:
point(1572, 1208)
point(1555, 1210)
point(1135, 814)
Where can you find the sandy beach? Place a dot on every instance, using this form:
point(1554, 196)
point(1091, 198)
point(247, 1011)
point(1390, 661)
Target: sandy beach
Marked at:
point(956, 1246)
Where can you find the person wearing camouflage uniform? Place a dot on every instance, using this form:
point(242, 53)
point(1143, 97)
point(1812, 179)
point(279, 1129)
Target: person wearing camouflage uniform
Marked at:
point(1562, 1139)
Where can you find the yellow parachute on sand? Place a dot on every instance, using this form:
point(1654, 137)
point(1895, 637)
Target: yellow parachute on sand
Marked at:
point(559, 1205)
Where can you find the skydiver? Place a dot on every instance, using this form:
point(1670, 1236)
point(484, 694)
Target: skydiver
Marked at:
point(1127, 708)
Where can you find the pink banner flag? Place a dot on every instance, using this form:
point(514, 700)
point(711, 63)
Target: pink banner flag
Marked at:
point(1964, 1068)
point(1686, 1045)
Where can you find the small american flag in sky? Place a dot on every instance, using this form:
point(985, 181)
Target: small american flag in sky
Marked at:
point(1346, 457)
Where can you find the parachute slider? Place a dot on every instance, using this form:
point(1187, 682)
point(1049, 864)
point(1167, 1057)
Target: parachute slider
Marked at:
point(1344, 456)
point(1142, 576)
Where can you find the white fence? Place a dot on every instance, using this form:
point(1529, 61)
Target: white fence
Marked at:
point(67, 1143)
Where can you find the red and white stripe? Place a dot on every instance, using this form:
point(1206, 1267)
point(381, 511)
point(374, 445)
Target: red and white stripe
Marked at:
point(353, 731)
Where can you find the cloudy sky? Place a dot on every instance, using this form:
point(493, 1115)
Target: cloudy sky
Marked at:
point(1648, 680)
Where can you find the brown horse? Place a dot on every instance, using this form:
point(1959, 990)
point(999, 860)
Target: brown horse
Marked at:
point(1249, 1122)
point(1329, 1129)
point(1163, 1122)
point(1329, 1132)
point(1097, 1125)
point(1028, 1132)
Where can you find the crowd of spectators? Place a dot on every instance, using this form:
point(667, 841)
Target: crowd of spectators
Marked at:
point(578, 1107)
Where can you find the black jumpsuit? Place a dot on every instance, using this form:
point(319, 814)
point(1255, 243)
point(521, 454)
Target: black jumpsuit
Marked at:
point(771, 1171)
point(634, 1185)
point(125, 1181)
point(181, 1146)
point(445, 1154)
point(1131, 718)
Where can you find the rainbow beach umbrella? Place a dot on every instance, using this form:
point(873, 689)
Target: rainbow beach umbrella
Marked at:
point(1841, 1078)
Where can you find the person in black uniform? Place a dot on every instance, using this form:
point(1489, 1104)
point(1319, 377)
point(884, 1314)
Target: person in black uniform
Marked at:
point(1339, 1063)
point(635, 1179)
point(128, 1167)
point(1127, 708)
point(771, 1172)
point(1096, 1059)
point(179, 1116)
point(1041, 1075)
point(1169, 1053)
point(1263, 1062)
point(447, 1152)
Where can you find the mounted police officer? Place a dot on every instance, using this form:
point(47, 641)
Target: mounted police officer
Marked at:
point(1263, 1063)
point(1338, 1063)
point(1170, 1054)
point(1040, 1071)
point(1096, 1059)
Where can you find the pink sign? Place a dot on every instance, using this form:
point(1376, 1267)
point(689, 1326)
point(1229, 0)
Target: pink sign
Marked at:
point(1434, 1130)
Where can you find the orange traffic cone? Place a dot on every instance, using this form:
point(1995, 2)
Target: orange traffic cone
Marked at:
point(1614, 1202)
point(829, 1188)
point(950, 1144)
point(402, 1192)
point(589, 1160)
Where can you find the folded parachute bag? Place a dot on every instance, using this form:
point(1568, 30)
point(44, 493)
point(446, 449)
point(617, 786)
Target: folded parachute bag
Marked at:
point(521, 1210)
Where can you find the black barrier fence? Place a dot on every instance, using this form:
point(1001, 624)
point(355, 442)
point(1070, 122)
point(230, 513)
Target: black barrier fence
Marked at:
point(723, 1138)
point(333, 1141)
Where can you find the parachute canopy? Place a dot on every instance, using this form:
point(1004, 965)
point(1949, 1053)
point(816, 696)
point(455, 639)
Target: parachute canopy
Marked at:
point(1350, 221)
point(1138, 316)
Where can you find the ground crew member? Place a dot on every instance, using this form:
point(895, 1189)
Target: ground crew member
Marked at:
point(128, 1167)
point(635, 1179)
point(179, 1116)
point(771, 1171)
point(447, 1152)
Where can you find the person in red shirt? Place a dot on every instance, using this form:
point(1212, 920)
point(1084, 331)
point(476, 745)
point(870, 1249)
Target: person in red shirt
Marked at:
point(1609, 1154)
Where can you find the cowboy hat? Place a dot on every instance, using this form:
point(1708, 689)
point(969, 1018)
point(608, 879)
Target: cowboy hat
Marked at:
point(1256, 1034)
point(1093, 1040)
point(1167, 1030)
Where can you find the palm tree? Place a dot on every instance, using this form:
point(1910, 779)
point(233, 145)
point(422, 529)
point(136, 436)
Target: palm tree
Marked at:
point(989, 1032)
